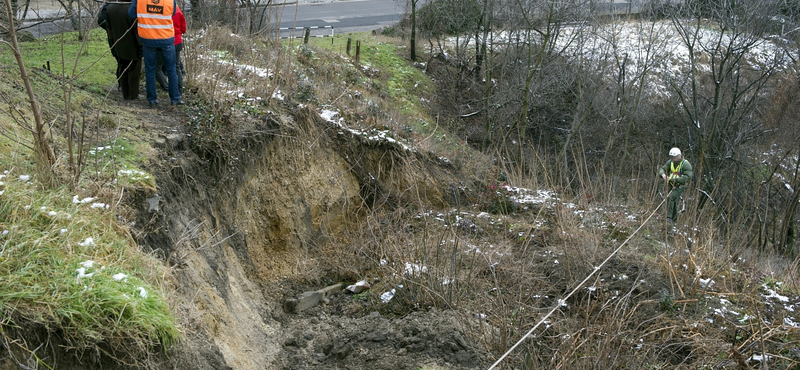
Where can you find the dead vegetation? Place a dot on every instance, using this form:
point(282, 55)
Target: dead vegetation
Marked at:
point(675, 297)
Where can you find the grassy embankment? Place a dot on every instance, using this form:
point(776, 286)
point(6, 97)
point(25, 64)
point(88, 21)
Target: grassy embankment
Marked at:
point(67, 264)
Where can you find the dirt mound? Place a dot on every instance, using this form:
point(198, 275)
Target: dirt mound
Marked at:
point(319, 340)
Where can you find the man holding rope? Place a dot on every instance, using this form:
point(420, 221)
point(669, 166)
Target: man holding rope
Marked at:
point(676, 173)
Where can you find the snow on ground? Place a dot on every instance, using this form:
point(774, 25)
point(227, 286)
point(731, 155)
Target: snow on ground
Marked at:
point(652, 51)
point(372, 135)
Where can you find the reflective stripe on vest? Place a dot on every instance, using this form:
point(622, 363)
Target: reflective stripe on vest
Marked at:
point(676, 171)
point(154, 19)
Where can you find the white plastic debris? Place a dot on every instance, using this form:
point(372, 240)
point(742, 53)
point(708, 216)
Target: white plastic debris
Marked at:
point(89, 242)
point(759, 357)
point(358, 287)
point(118, 277)
point(387, 296)
point(142, 292)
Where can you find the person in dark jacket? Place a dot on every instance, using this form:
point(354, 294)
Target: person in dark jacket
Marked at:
point(102, 21)
point(127, 48)
point(677, 173)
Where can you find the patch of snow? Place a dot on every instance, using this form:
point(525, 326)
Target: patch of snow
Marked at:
point(82, 273)
point(133, 174)
point(774, 294)
point(119, 277)
point(413, 269)
point(82, 201)
point(89, 242)
point(526, 196)
point(142, 292)
point(24, 177)
point(707, 283)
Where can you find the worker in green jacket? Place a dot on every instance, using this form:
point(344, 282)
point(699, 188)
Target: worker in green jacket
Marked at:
point(676, 173)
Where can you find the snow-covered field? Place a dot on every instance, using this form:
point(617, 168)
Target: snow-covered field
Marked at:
point(655, 52)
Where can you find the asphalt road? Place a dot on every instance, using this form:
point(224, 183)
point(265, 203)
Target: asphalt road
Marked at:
point(342, 16)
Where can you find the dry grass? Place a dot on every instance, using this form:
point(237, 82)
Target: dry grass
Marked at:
point(650, 307)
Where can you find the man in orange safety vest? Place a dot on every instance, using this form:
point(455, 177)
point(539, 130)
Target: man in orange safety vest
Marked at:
point(157, 33)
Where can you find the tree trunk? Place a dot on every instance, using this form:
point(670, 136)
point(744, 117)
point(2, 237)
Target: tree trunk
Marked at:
point(414, 30)
point(43, 154)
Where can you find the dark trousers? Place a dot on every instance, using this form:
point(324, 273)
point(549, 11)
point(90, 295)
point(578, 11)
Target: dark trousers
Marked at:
point(672, 203)
point(129, 73)
point(161, 69)
point(150, 55)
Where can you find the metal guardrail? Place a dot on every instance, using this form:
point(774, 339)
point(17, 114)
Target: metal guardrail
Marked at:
point(282, 29)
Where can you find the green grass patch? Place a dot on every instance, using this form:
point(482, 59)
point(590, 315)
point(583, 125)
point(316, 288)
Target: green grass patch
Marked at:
point(66, 263)
point(95, 65)
point(404, 83)
point(119, 159)
point(384, 64)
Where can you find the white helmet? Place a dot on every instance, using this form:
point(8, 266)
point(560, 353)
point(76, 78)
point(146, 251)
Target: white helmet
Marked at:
point(674, 152)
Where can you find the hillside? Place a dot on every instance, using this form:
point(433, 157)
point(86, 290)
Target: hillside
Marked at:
point(294, 168)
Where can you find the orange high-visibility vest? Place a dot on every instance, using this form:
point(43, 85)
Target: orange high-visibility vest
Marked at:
point(155, 19)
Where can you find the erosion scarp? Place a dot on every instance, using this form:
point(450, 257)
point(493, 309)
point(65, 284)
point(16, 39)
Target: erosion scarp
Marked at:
point(242, 235)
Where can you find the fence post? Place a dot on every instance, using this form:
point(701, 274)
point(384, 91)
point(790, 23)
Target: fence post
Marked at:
point(306, 36)
point(349, 40)
point(358, 52)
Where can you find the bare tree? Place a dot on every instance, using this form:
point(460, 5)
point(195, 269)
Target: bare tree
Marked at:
point(43, 153)
point(720, 104)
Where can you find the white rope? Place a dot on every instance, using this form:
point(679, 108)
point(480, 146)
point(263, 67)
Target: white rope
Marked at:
point(560, 302)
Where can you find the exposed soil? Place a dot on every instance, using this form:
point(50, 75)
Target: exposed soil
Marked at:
point(235, 230)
